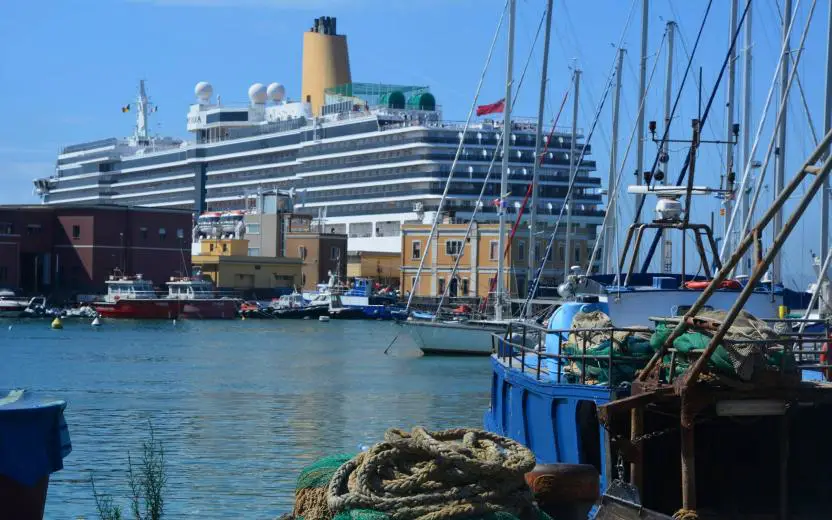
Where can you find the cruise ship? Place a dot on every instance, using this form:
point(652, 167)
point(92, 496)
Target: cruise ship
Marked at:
point(361, 158)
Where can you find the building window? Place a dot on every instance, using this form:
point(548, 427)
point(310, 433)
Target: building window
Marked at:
point(578, 254)
point(6, 228)
point(254, 251)
point(302, 253)
point(521, 250)
point(4, 273)
point(180, 233)
point(303, 279)
point(163, 233)
point(335, 253)
point(562, 257)
point(492, 250)
point(549, 254)
point(32, 229)
point(211, 248)
point(252, 229)
point(465, 287)
point(416, 251)
point(143, 232)
point(441, 286)
point(76, 232)
point(537, 252)
point(413, 283)
point(225, 248)
point(453, 247)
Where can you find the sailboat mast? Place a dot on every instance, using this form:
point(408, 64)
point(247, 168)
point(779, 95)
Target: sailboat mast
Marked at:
point(642, 93)
point(667, 241)
point(780, 165)
point(612, 194)
point(573, 170)
point(745, 265)
point(827, 121)
point(729, 124)
point(538, 146)
point(501, 208)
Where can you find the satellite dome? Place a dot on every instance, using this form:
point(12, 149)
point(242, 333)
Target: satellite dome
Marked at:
point(276, 92)
point(257, 93)
point(203, 90)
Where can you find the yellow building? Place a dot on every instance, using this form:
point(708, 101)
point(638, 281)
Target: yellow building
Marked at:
point(227, 263)
point(477, 269)
point(382, 267)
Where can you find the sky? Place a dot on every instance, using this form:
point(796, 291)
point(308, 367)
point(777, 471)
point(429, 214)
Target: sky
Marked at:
point(66, 68)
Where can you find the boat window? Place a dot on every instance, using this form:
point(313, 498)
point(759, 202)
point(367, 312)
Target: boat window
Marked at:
point(416, 251)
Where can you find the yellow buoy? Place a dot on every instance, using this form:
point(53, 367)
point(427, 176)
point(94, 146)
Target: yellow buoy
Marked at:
point(782, 312)
point(57, 323)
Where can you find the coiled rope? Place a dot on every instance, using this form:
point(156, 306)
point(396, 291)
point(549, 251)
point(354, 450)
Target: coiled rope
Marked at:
point(436, 476)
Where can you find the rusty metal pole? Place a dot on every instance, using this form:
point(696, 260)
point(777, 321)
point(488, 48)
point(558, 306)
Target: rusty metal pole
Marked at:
point(759, 270)
point(694, 148)
point(637, 465)
point(747, 241)
point(688, 463)
point(634, 258)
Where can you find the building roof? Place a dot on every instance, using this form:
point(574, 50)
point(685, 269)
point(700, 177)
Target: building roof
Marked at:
point(241, 259)
point(89, 207)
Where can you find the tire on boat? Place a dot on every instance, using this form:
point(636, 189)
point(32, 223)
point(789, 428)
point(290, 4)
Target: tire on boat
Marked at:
point(565, 491)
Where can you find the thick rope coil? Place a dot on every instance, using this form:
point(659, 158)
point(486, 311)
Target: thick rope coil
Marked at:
point(436, 476)
point(685, 514)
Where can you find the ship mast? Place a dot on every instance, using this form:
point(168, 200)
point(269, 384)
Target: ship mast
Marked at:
point(502, 202)
point(141, 135)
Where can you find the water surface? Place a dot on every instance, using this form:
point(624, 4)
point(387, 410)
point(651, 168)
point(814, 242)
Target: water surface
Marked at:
point(240, 406)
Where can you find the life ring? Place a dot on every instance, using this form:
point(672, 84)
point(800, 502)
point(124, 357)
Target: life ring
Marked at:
point(703, 284)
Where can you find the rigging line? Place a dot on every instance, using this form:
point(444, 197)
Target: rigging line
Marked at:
point(741, 22)
point(573, 178)
point(620, 172)
point(778, 117)
point(488, 175)
point(800, 84)
point(436, 218)
point(529, 188)
point(709, 123)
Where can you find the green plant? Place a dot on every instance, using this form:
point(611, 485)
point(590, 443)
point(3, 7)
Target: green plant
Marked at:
point(147, 478)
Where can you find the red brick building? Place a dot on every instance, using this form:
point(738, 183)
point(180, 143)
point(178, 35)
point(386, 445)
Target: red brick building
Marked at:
point(73, 249)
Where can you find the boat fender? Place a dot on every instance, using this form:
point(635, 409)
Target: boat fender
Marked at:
point(824, 360)
point(703, 284)
point(562, 484)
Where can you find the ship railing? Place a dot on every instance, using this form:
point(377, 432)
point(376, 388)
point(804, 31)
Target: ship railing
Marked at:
point(524, 346)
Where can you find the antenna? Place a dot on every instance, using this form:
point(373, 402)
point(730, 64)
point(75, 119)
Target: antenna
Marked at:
point(141, 115)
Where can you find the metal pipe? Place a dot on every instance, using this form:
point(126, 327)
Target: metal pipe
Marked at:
point(747, 241)
point(612, 193)
point(573, 172)
point(746, 134)
point(634, 258)
point(667, 243)
point(729, 123)
point(501, 208)
point(780, 164)
point(537, 147)
point(816, 293)
point(759, 270)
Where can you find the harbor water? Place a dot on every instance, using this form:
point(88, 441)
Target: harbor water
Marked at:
point(240, 406)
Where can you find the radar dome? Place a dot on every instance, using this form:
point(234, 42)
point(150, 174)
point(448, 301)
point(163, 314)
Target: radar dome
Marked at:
point(203, 90)
point(276, 92)
point(257, 93)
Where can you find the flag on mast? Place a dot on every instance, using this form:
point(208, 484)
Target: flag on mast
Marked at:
point(125, 108)
point(492, 108)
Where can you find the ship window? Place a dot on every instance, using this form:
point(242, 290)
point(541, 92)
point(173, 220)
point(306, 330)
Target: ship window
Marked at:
point(76, 232)
point(302, 253)
point(453, 247)
point(492, 252)
point(416, 251)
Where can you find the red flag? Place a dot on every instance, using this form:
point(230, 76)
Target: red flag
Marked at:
point(493, 108)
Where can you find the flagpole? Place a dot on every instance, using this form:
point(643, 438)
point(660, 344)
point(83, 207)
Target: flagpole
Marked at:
point(501, 209)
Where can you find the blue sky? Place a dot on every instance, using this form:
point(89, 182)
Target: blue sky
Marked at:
point(67, 67)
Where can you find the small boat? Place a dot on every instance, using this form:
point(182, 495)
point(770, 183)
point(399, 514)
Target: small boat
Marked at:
point(12, 306)
point(133, 297)
point(338, 311)
point(299, 309)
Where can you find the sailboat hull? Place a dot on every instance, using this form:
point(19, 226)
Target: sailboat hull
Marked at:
point(454, 339)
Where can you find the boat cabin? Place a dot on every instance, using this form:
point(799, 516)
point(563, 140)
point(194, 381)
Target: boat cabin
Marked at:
point(130, 288)
point(190, 289)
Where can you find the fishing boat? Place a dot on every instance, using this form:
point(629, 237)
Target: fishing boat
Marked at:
point(298, 308)
point(12, 306)
point(133, 297)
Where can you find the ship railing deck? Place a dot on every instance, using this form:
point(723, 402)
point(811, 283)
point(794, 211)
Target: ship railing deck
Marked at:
point(524, 347)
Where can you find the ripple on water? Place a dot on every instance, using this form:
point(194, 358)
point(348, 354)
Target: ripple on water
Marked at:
point(240, 406)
